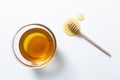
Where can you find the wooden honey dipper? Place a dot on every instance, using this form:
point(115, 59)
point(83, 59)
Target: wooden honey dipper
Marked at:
point(72, 28)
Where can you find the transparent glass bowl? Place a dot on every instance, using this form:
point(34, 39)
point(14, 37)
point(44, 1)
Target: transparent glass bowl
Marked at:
point(17, 51)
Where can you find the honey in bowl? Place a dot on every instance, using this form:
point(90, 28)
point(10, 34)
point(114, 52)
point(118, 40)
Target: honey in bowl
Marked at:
point(36, 45)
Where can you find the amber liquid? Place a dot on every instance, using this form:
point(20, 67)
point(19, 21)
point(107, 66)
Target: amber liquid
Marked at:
point(36, 45)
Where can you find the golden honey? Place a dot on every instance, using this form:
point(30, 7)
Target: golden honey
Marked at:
point(36, 45)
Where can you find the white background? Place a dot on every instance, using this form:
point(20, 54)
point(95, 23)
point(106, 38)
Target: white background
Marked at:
point(75, 58)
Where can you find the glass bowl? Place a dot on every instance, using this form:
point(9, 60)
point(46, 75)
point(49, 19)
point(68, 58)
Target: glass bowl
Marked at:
point(34, 45)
